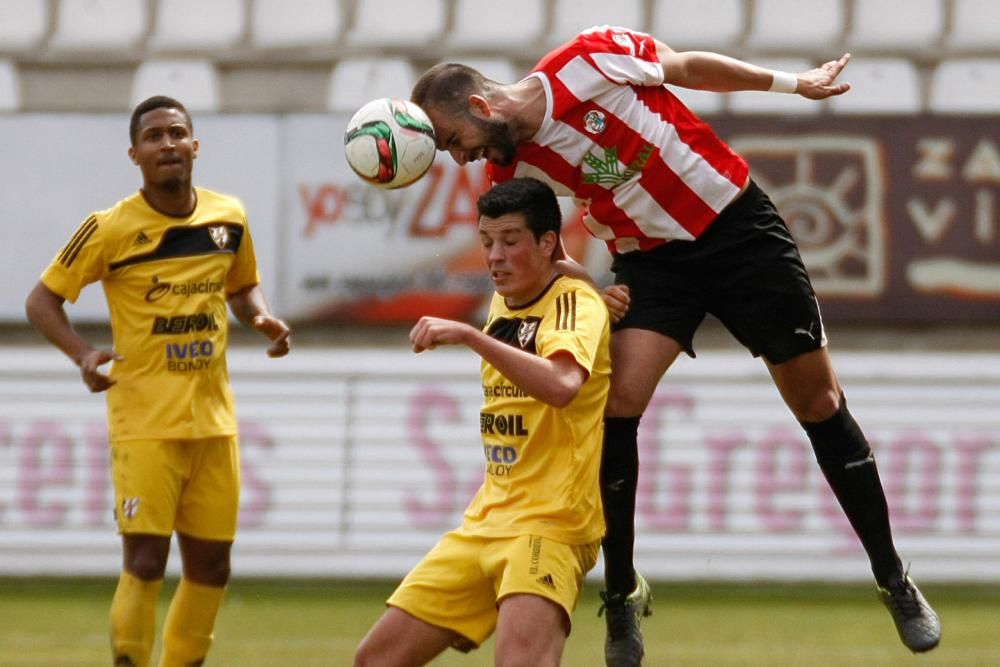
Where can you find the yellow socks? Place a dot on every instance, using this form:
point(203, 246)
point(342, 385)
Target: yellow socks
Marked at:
point(133, 620)
point(187, 632)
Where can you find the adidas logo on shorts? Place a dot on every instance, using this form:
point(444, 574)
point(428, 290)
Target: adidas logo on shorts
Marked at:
point(547, 581)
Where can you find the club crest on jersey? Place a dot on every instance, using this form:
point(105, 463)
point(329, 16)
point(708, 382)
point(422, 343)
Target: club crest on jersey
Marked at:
point(594, 122)
point(526, 332)
point(220, 235)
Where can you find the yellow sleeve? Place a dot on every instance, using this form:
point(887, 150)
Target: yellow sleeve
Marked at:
point(80, 262)
point(575, 323)
point(243, 273)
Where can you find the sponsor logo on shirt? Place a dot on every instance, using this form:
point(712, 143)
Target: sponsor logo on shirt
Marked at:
point(500, 459)
point(607, 170)
point(161, 288)
point(178, 324)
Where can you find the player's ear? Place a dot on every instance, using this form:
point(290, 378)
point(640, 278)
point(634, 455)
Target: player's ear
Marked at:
point(550, 241)
point(194, 145)
point(131, 155)
point(479, 103)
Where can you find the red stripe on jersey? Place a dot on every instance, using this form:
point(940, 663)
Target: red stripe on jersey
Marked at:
point(657, 179)
point(542, 157)
point(695, 133)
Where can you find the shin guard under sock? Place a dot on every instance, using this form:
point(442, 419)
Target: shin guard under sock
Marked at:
point(847, 462)
point(133, 620)
point(619, 478)
point(187, 631)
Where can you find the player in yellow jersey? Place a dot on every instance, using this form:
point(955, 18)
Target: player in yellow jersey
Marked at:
point(516, 564)
point(170, 257)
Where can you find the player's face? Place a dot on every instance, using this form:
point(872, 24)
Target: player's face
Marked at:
point(520, 265)
point(470, 138)
point(165, 148)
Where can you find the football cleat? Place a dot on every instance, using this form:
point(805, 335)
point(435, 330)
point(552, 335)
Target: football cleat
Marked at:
point(623, 646)
point(918, 625)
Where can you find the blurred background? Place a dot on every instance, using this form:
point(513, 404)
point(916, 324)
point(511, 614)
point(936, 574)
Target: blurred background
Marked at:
point(357, 453)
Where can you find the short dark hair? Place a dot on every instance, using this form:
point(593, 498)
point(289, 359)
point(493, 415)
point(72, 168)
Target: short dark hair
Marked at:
point(447, 86)
point(149, 104)
point(530, 197)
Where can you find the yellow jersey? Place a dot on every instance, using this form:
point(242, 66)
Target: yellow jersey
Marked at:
point(166, 280)
point(543, 462)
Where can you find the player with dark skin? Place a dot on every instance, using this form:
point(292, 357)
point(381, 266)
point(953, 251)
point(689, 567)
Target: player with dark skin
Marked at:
point(546, 125)
point(164, 149)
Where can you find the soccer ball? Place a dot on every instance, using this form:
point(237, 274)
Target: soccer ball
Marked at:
point(390, 143)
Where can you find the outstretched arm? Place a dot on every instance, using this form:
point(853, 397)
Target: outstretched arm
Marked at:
point(45, 311)
point(703, 70)
point(250, 307)
point(555, 380)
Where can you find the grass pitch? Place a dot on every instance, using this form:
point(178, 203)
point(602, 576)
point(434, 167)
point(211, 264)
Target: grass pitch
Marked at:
point(63, 623)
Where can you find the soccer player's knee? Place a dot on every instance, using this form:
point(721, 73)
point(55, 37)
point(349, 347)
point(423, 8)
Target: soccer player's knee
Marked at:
point(820, 407)
point(625, 401)
point(147, 566)
point(838, 440)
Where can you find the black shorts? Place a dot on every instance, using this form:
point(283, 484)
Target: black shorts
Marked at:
point(745, 269)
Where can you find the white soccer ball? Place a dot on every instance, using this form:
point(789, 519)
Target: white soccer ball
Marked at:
point(390, 143)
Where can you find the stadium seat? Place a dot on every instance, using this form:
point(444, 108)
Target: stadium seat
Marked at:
point(23, 24)
point(878, 24)
point(10, 92)
point(966, 86)
point(889, 85)
point(814, 25)
point(99, 24)
point(313, 23)
point(572, 16)
point(752, 102)
point(975, 25)
point(699, 24)
point(500, 70)
point(505, 25)
point(197, 25)
point(194, 82)
point(397, 23)
point(356, 81)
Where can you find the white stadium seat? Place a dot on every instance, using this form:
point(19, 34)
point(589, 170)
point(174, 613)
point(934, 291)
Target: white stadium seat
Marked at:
point(699, 24)
point(509, 25)
point(273, 24)
point(99, 24)
point(10, 92)
point(879, 24)
point(888, 85)
point(500, 70)
point(23, 24)
point(816, 25)
point(702, 102)
point(397, 23)
point(197, 25)
point(752, 102)
point(975, 25)
point(355, 81)
point(572, 16)
point(966, 86)
point(194, 82)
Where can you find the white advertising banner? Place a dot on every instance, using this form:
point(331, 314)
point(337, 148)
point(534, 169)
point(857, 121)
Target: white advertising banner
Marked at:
point(355, 461)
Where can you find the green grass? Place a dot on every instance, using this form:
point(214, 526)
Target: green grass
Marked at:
point(63, 623)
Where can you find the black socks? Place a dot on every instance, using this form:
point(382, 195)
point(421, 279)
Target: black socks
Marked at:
point(847, 462)
point(619, 478)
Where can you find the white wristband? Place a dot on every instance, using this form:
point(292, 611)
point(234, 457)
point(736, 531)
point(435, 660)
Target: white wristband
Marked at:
point(783, 82)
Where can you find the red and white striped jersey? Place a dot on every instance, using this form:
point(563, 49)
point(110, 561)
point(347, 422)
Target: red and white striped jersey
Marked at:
point(643, 166)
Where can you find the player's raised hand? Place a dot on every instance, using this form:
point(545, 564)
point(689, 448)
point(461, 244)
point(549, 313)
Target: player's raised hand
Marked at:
point(429, 332)
point(90, 364)
point(821, 82)
point(278, 333)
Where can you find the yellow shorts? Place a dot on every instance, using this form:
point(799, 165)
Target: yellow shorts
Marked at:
point(459, 583)
point(191, 486)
